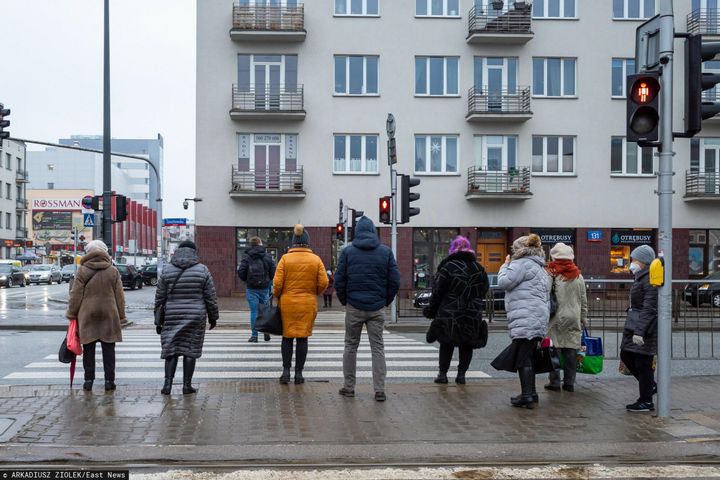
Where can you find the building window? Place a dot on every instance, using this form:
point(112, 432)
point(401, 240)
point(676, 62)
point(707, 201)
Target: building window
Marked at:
point(0, 219)
point(496, 74)
point(554, 77)
point(8, 191)
point(553, 155)
point(621, 68)
point(8, 220)
point(355, 153)
point(267, 152)
point(356, 75)
point(496, 153)
point(628, 158)
point(273, 73)
point(277, 241)
point(51, 186)
point(19, 163)
point(633, 9)
point(622, 242)
point(8, 159)
point(356, 8)
point(436, 76)
point(554, 9)
point(437, 8)
point(436, 154)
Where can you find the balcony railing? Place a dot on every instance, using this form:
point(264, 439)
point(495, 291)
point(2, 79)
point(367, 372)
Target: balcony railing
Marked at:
point(268, 22)
point(21, 176)
point(267, 101)
point(702, 186)
point(511, 183)
point(21, 232)
point(21, 204)
point(704, 21)
point(256, 183)
point(511, 25)
point(513, 104)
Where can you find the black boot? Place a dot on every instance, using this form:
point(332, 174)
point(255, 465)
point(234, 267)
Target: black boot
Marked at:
point(170, 367)
point(525, 399)
point(188, 371)
point(441, 378)
point(299, 379)
point(285, 377)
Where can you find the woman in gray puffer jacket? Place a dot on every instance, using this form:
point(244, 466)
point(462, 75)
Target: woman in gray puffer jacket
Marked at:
point(187, 290)
point(527, 303)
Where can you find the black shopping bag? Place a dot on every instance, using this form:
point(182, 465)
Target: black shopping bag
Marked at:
point(545, 360)
point(268, 319)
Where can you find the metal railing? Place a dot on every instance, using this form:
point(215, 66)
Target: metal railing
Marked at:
point(406, 308)
point(507, 21)
point(704, 21)
point(21, 204)
point(270, 182)
point(21, 232)
point(702, 185)
point(285, 18)
point(483, 100)
point(21, 175)
point(491, 182)
point(267, 98)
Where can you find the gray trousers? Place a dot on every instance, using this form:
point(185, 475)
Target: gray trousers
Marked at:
point(375, 322)
point(569, 368)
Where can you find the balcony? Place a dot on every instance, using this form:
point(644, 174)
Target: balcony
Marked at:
point(267, 102)
point(512, 184)
point(510, 26)
point(268, 23)
point(704, 21)
point(21, 176)
point(492, 106)
point(21, 233)
point(281, 183)
point(21, 204)
point(702, 186)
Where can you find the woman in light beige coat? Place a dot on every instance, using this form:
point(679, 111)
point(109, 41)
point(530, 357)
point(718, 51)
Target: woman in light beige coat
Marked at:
point(565, 327)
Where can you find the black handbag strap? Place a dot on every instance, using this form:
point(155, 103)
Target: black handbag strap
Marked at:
point(177, 279)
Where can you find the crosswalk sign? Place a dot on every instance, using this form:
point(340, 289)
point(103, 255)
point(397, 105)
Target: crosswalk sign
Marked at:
point(89, 219)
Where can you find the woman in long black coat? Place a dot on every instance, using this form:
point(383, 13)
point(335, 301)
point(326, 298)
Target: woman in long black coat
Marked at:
point(187, 290)
point(456, 308)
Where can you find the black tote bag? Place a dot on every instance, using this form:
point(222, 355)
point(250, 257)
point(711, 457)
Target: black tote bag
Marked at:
point(268, 319)
point(545, 360)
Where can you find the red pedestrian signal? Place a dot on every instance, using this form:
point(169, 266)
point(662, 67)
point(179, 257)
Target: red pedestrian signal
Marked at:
point(340, 231)
point(385, 210)
point(643, 108)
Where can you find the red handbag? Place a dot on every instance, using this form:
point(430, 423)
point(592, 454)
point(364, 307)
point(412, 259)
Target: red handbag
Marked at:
point(73, 338)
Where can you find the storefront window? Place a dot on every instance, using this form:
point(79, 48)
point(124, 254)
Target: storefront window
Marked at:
point(551, 236)
point(714, 251)
point(277, 241)
point(623, 242)
point(704, 253)
point(430, 247)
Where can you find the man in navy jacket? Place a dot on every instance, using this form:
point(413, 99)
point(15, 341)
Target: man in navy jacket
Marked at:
point(366, 281)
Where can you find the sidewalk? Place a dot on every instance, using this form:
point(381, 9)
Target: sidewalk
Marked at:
point(262, 422)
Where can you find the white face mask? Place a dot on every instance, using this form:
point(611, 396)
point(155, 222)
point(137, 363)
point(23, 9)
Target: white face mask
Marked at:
point(635, 268)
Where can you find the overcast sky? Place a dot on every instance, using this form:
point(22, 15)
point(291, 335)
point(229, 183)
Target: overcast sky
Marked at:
point(51, 76)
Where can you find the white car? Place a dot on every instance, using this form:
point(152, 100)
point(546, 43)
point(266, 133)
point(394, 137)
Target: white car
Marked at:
point(45, 274)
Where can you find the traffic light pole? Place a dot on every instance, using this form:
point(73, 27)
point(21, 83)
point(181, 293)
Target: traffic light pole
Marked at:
point(665, 194)
point(394, 233)
point(107, 172)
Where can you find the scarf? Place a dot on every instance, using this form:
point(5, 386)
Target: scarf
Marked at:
point(565, 268)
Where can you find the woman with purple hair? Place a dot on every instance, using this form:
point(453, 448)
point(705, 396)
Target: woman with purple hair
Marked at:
point(456, 308)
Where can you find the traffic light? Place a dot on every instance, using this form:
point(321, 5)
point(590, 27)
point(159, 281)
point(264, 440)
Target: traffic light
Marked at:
point(340, 231)
point(406, 183)
point(697, 110)
point(4, 122)
point(643, 107)
point(385, 210)
point(95, 203)
point(121, 205)
point(355, 215)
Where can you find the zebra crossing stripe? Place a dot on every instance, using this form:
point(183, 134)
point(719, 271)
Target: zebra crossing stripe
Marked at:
point(259, 356)
point(208, 375)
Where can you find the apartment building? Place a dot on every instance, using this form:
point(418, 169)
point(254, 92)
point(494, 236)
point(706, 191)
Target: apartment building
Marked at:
point(512, 114)
point(13, 200)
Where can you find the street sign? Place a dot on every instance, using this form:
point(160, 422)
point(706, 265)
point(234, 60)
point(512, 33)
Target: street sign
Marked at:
point(647, 46)
point(174, 222)
point(88, 219)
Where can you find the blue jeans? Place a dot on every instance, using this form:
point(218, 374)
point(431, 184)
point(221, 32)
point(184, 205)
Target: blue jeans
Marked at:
point(255, 298)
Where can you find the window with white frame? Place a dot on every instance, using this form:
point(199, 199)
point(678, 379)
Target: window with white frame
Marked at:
point(356, 74)
point(437, 76)
point(496, 153)
point(621, 68)
point(554, 9)
point(436, 154)
point(553, 155)
point(437, 8)
point(356, 8)
point(267, 152)
point(355, 153)
point(633, 9)
point(628, 158)
point(554, 77)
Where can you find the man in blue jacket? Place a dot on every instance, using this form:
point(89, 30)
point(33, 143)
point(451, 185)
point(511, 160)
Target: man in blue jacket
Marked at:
point(366, 281)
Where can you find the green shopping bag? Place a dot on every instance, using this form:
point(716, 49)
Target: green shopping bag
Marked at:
point(590, 364)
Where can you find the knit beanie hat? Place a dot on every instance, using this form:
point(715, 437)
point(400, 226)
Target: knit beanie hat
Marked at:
point(96, 246)
point(460, 244)
point(644, 254)
point(187, 244)
point(562, 252)
point(300, 236)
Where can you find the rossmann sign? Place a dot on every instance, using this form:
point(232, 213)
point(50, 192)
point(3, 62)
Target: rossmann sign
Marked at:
point(56, 204)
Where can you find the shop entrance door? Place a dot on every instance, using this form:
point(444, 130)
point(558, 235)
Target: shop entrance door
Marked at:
point(710, 168)
point(267, 167)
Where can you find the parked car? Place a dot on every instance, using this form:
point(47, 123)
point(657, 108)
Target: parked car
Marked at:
point(10, 275)
point(697, 294)
point(131, 278)
point(26, 271)
point(68, 273)
point(422, 297)
point(149, 274)
point(45, 274)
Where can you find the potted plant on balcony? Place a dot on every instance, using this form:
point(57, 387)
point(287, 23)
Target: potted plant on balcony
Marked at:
point(497, 4)
point(522, 5)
